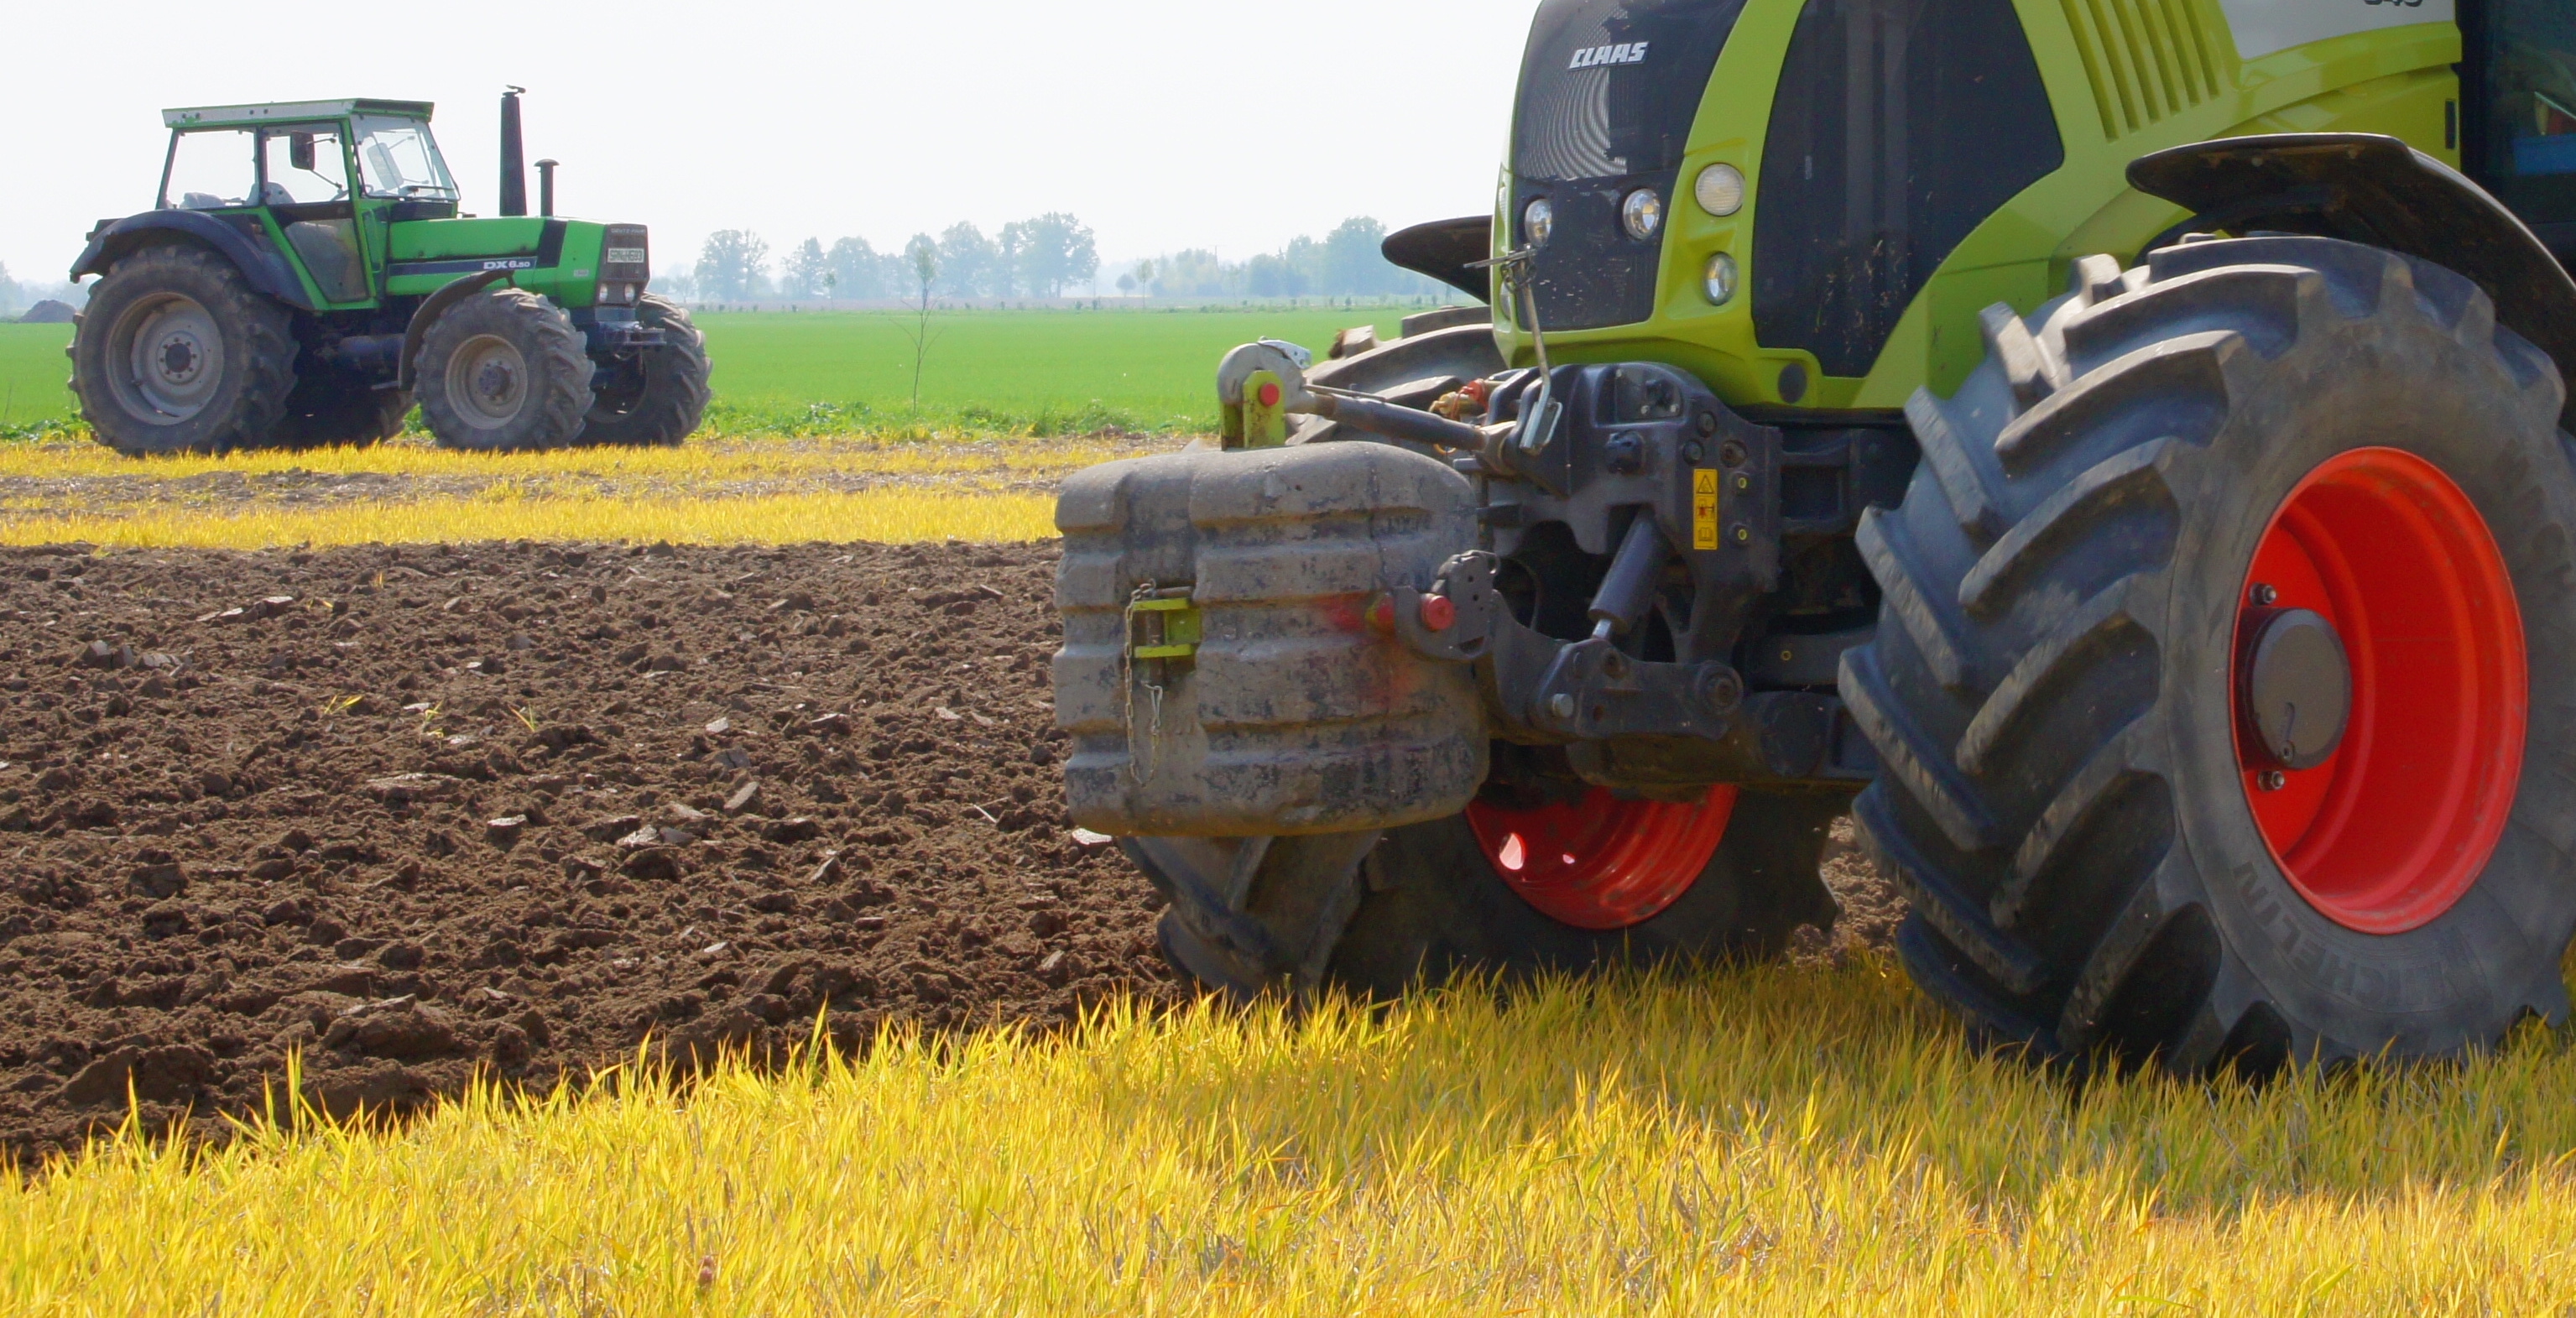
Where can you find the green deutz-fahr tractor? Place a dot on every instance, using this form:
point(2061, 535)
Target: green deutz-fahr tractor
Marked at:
point(2113, 448)
point(304, 275)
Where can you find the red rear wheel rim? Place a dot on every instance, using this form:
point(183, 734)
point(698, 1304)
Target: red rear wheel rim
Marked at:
point(2393, 828)
point(1601, 862)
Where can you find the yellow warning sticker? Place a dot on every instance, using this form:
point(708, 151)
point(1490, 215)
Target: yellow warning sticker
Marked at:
point(1703, 510)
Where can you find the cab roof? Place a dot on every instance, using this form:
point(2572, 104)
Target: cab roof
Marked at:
point(209, 116)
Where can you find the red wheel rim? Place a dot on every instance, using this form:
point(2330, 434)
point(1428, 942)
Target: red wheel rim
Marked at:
point(1601, 862)
point(2393, 828)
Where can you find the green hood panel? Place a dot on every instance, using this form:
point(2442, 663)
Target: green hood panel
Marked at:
point(433, 240)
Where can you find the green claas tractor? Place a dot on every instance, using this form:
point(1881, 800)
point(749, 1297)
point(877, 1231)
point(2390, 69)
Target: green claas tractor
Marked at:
point(2114, 449)
point(304, 276)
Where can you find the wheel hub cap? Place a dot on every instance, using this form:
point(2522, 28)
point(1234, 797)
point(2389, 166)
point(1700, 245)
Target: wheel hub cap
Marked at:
point(2296, 687)
point(1602, 863)
point(172, 356)
point(487, 381)
point(180, 358)
point(2381, 690)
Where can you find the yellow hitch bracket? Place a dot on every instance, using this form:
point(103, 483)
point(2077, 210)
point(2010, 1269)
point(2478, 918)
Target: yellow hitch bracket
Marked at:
point(1162, 629)
point(1265, 418)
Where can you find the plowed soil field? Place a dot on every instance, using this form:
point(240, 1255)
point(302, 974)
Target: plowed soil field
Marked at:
point(417, 811)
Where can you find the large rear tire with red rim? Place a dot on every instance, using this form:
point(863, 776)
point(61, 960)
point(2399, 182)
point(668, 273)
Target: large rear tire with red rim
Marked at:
point(1583, 882)
point(2221, 679)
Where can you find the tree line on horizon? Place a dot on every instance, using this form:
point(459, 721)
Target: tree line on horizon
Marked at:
point(17, 296)
point(1035, 258)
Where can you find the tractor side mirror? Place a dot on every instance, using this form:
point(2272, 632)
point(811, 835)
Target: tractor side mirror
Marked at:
point(299, 151)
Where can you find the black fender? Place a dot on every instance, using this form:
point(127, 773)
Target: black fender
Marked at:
point(435, 307)
point(258, 259)
point(2368, 188)
point(1444, 250)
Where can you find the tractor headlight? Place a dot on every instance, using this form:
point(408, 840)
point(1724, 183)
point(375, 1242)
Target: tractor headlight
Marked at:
point(1721, 279)
point(1720, 190)
point(1538, 220)
point(1642, 213)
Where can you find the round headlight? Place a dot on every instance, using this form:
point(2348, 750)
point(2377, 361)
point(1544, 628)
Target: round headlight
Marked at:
point(1720, 190)
point(1537, 222)
point(1721, 279)
point(1643, 213)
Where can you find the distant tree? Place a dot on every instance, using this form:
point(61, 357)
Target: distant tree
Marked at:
point(1193, 273)
point(1127, 284)
point(678, 284)
point(1051, 252)
point(1353, 261)
point(1273, 276)
point(922, 256)
point(11, 299)
point(970, 265)
point(733, 266)
point(1004, 279)
point(802, 275)
point(860, 272)
point(1306, 256)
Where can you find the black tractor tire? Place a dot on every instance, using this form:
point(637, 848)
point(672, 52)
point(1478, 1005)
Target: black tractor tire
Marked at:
point(328, 411)
point(2062, 800)
point(660, 397)
point(177, 353)
point(504, 371)
point(1375, 915)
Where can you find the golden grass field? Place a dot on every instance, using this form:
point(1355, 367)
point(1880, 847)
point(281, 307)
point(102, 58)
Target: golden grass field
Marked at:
point(1779, 1139)
point(1764, 1141)
point(711, 491)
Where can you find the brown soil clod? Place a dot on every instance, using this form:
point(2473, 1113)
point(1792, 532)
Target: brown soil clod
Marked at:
point(343, 817)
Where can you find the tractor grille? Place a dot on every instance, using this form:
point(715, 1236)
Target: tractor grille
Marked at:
point(1608, 92)
point(625, 255)
point(2148, 60)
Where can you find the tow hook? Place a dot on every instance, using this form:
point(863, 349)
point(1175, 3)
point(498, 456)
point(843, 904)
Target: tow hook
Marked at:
point(1435, 613)
point(1453, 622)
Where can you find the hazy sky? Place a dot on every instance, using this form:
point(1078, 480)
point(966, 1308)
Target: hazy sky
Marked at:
point(1161, 123)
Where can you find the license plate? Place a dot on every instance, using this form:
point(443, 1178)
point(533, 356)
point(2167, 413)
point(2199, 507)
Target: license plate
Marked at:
point(625, 256)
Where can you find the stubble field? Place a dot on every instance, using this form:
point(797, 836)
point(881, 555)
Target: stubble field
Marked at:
point(637, 885)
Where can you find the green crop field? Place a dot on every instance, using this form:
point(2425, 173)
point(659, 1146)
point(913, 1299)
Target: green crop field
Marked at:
point(1052, 370)
point(32, 371)
point(1155, 369)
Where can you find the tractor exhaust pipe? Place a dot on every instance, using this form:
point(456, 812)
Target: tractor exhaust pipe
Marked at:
point(514, 156)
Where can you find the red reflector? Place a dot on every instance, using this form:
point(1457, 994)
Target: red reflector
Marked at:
point(1270, 395)
point(1439, 613)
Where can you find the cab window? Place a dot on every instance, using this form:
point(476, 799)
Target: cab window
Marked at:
point(397, 158)
point(2529, 145)
point(1899, 126)
point(303, 166)
point(210, 169)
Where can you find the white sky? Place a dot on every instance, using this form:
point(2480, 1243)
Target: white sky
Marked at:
point(1161, 123)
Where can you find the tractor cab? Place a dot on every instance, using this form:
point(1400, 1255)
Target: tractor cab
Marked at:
point(324, 179)
point(2519, 78)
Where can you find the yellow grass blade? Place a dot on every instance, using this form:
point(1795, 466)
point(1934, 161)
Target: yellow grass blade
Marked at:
point(706, 461)
point(885, 515)
point(1767, 1141)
